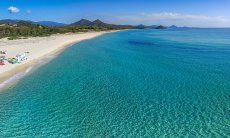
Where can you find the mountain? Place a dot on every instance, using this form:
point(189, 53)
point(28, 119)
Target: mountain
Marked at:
point(99, 24)
point(161, 27)
point(141, 26)
point(16, 29)
point(42, 23)
point(96, 23)
point(50, 24)
point(173, 27)
point(152, 27)
point(82, 22)
point(11, 22)
point(184, 27)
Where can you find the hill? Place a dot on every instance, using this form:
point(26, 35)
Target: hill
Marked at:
point(141, 26)
point(16, 29)
point(173, 27)
point(98, 24)
point(50, 24)
point(11, 22)
point(43, 23)
point(82, 22)
point(160, 27)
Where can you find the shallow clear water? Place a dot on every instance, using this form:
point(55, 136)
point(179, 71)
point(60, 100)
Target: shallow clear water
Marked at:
point(152, 83)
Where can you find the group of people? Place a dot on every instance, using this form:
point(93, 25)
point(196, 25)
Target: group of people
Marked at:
point(17, 59)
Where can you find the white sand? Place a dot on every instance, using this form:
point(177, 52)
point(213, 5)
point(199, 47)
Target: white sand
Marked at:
point(38, 47)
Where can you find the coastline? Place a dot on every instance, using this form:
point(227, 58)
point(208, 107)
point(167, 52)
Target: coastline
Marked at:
point(51, 45)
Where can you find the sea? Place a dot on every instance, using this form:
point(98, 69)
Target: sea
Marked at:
point(132, 83)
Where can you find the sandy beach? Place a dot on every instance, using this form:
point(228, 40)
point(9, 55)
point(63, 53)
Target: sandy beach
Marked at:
point(38, 48)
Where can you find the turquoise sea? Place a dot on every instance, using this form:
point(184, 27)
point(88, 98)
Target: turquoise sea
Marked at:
point(135, 83)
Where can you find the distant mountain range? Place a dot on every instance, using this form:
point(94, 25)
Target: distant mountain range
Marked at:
point(173, 26)
point(141, 26)
point(98, 23)
point(50, 24)
point(88, 23)
point(9, 21)
point(83, 22)
point(176, 27)
point(43, 23)
point(16, 29)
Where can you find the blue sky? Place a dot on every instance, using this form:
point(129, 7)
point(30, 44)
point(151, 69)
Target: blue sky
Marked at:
point(201, 13)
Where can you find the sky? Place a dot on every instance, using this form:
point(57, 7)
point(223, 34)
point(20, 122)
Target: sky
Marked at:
point(193, 13)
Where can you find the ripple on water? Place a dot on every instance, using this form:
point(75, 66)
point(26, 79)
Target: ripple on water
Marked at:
point(114, 86)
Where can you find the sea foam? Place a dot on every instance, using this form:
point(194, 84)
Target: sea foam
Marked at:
point(15, 78)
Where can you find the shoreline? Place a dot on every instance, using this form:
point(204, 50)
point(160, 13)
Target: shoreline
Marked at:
point(9, 71)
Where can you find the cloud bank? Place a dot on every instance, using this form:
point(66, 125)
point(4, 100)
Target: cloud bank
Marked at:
point(168, 18)
point(13, 9)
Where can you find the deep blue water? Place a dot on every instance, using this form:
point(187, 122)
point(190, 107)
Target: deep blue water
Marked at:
point(138, 83)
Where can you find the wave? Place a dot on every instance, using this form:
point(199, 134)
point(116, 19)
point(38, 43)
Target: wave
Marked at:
point(15, 78)
point(46, 59)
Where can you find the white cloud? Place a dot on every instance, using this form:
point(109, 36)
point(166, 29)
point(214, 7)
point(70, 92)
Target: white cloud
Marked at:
point(13, 9)
point(168, 18)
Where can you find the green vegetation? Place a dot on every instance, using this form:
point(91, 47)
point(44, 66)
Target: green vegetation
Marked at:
point(17, 29)
point(23, 29)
